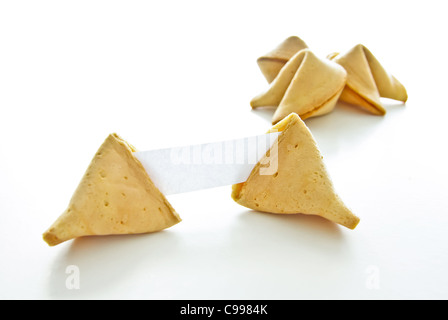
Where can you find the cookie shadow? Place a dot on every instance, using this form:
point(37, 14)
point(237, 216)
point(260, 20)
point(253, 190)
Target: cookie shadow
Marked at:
point(287, 235)
point(90, 266)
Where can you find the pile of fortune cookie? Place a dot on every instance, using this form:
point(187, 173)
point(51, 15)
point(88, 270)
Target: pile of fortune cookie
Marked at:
point(117, 196)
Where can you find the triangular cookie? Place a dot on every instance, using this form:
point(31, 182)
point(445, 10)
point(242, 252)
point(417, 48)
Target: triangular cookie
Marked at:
point(300, 184)
point(367, 80)
point(271, 63)
point(115, 196)
point(306, 85)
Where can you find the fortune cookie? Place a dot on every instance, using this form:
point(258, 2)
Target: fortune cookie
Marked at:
point(296, 180)
point(271, 63)
point(307, 85)
point(115, 196)
point(367, 80)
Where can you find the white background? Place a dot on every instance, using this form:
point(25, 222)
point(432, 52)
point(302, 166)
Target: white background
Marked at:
point(173, 73)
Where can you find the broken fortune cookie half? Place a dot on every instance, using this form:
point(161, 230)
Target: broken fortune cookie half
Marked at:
point(272, 62)
point(367, 80)
point(306, 85)
point(115, 196)
point(300, 183)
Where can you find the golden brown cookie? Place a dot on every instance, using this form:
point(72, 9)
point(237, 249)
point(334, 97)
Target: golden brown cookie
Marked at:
point(271, 63)
point(307, 85)
point(300, 183)
point(367, 80)
point(115, 196)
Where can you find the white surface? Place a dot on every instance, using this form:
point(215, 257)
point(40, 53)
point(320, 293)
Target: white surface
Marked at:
point(73, 72)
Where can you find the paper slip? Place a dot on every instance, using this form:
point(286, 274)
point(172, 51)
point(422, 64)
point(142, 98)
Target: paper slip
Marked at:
point(209, 165)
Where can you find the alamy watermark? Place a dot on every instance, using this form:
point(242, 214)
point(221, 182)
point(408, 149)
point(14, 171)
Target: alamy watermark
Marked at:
point(373, 277)
point(261, 149)
point(72, 282)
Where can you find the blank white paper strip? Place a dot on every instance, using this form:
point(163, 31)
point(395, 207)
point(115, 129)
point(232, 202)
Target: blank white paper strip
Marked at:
point(203, 166)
